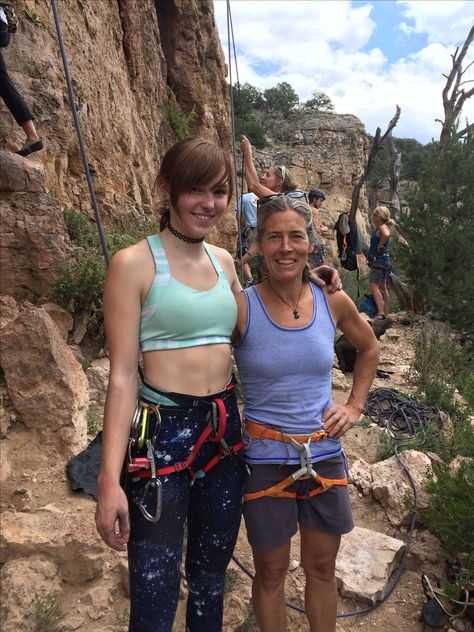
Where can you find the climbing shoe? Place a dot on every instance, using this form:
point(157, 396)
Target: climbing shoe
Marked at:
point(30, 146)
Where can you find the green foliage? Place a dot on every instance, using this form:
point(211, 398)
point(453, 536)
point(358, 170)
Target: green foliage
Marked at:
point(440, 232)
point(320, 102)
point(250, 622)
point(252, 129)
point(450, 514)
point(34, 18)
point(92, 427)
point(246, 99)
point(47, 615)
point(231, 579)
point(79, 286)
point(414, 156)
point(179, 120)
point(282, 98)
point(122, 621)
point(439, 369)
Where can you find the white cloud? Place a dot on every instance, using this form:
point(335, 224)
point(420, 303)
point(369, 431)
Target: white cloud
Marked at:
point(447, 22)
point(320, 46)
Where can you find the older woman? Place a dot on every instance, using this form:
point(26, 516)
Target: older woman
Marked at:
point(284, 350)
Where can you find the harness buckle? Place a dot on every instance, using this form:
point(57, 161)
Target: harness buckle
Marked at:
point(306, 461)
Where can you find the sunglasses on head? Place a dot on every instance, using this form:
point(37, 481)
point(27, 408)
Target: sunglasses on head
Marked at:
point(291, 194)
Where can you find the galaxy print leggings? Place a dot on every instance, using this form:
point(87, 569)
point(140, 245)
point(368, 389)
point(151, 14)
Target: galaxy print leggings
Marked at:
point(210, 508)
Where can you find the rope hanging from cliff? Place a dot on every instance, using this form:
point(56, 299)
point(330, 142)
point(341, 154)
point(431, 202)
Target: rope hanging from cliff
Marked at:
point(77, 125)
point(230, 38)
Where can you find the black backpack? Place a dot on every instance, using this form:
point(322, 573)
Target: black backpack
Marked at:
point(347, 242)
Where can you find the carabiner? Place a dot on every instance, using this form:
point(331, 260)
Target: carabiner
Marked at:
point(156, 483)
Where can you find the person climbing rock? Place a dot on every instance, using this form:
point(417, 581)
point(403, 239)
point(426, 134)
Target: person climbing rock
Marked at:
point(12, 98)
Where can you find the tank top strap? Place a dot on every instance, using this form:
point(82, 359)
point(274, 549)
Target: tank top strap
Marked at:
point(162, 268)
point(213, 259)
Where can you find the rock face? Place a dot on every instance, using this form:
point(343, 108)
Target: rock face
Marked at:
point(34, 244)
point(122, 60)
point(45, 381)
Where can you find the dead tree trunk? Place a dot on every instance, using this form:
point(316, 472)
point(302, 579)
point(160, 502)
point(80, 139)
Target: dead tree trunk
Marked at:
point(394, 176)
point(376, 145)
point(454, 96)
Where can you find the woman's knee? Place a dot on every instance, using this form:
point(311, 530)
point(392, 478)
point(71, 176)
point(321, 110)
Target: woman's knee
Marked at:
point(271, 577)
point(322, 570)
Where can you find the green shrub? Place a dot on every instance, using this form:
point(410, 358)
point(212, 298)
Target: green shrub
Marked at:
point(79, 286)
point(450, 514)
point(179, 120)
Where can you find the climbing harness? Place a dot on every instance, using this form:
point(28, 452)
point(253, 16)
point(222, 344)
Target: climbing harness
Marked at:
point(146, 423)
point(306, 471)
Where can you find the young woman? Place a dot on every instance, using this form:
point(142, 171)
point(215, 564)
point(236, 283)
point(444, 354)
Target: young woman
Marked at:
point(379, 259)
point(284, 351)
point(173, 297)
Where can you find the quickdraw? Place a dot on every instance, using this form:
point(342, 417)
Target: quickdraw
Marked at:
point(306, 471)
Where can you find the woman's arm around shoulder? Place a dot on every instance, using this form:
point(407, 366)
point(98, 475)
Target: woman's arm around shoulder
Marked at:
point(127, 277)
point(340, 418)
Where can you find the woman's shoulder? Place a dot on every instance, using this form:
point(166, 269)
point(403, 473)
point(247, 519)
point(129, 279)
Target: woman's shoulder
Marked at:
point(221, 254)
point(134, 259)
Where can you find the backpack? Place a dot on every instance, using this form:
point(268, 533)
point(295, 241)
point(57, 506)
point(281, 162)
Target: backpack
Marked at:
point(349, 242)
point(368, 306)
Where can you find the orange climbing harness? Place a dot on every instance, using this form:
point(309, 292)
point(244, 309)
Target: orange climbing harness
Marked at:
point(306, 471)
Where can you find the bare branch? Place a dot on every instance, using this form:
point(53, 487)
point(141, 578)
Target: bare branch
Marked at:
point(376, 146)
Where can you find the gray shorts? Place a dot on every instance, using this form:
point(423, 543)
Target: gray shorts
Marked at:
point(379, 272)
point(272, 521)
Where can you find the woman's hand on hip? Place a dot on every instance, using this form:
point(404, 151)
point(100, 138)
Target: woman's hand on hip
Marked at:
point(112, 518)
point(339, 419)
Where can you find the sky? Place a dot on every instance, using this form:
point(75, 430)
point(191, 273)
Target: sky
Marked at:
point(366, 56)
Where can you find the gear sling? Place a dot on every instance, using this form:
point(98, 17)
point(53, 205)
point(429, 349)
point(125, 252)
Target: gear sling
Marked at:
point(306, 471)
point(145, 428)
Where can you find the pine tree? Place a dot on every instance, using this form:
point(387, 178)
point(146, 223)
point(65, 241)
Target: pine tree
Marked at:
point(439, 228)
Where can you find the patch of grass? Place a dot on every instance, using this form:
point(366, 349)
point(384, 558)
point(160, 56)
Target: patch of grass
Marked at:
point(122, 621)
point(250, 622)
point(92, 426)
point(47, 615)
point(34, 18)
point(231, 579)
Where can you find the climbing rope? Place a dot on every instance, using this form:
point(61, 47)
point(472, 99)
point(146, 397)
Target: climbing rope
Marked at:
point(77, 125)
point(230, 38)
point(399, 413)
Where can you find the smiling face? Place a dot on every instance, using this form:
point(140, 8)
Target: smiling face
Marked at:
point(197, 211)
point(285, 245)
point(272, 180)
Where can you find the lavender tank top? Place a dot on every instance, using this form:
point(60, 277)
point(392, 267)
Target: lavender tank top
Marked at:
point(286, 375)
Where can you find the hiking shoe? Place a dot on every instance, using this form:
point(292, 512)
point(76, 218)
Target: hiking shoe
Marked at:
point(380, 317)
point(30, 146)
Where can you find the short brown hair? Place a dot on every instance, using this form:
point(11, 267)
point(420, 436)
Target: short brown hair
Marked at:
point(194, 162)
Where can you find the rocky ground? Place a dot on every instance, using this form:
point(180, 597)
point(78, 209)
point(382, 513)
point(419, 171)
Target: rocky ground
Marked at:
point(49, 543)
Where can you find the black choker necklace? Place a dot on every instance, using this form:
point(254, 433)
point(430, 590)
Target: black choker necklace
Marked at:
point(188, 240)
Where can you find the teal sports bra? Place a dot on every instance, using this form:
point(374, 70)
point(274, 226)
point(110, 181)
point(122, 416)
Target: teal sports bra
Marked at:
point(175, 316)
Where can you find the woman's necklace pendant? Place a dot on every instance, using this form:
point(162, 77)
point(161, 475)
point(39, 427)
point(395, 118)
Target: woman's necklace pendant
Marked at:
point(296, 313)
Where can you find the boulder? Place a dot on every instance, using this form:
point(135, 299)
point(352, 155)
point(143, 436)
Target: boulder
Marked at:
point(393, 490)
point(361, 475)
point(45, 382)
point(61, 318)
point(365, 561)
point(76, 552)
point(98, 378)
point(8, 310)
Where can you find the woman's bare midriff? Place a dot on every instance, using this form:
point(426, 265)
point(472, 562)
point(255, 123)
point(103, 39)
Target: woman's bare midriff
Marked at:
point(195, 370)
